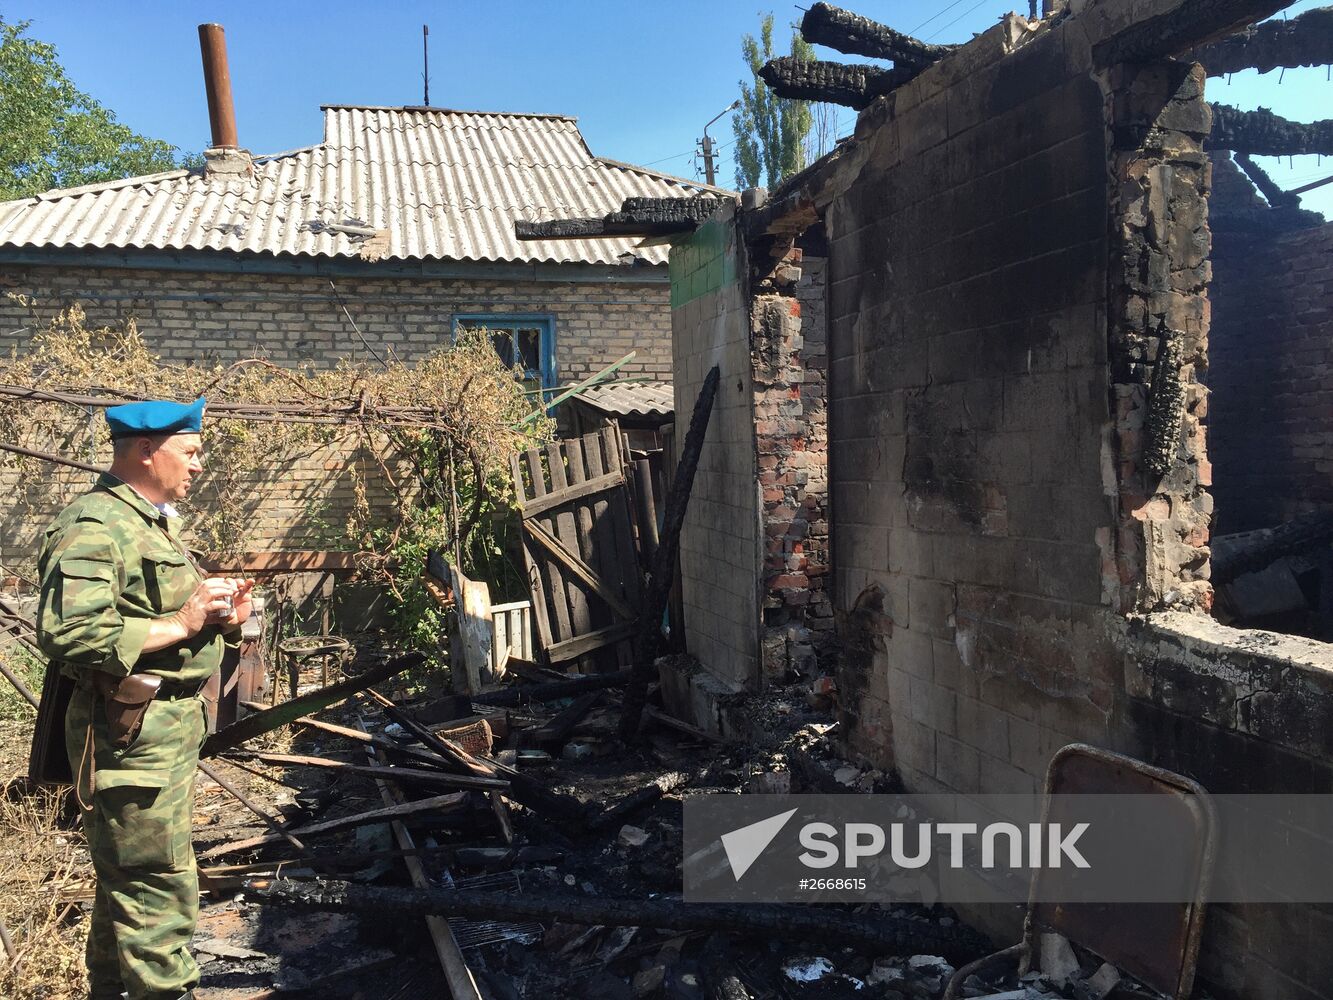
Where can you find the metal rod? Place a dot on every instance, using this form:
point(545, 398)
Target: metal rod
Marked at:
point(217, 84)
point(239, 796)
point(591, 380)
point(19, 686)
point(48, 457)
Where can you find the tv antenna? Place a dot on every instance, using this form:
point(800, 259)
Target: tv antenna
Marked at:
point(425, 62)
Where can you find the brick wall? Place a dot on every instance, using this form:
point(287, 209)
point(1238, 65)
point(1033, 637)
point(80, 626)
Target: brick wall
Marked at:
point(719, 554)
point(295, 320)
point(1270, 373)
point(788, 354)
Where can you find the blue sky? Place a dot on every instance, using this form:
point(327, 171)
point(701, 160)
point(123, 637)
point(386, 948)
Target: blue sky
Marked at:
point(643, 78)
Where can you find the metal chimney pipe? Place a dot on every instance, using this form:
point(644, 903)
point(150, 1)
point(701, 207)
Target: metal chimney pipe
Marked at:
point(217, 81)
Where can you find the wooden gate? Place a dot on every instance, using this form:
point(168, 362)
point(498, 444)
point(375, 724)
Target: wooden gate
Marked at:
point(578, 543)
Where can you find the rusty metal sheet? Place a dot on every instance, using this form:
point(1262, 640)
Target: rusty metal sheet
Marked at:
point(1158, 943)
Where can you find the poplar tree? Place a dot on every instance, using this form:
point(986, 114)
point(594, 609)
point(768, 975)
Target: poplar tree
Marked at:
point(770, 130)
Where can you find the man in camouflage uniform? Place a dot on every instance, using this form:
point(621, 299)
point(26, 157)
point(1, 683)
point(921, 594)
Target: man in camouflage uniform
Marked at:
point(121, 595)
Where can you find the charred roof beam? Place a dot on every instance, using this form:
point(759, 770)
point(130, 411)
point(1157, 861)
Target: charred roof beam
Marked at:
point(854, 85)
point(1303, 41)
point(1262, 133)
point(845, 31)
point(646, 217)
point(1190, 25)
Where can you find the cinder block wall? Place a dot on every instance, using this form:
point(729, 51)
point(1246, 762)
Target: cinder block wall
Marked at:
point(1270, 372)
point(207, 318)
point(720, 554)
point(968, 415)
point(1016, 347)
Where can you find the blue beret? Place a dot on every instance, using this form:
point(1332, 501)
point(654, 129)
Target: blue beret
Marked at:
point(155, 416)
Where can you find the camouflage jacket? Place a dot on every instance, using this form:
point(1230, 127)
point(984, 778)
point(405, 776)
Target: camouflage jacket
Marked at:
point(111, 563)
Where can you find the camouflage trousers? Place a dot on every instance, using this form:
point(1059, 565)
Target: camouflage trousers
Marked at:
point(137, 810)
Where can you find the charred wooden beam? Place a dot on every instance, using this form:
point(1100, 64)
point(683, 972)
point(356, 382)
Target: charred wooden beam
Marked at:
point(648, 638)
point(1303, 41)
point(1262, 133)
point(1190, 25)
point(892, 934)
point(1235, 555)
point(845, 31)
point(637, 217)
point(854, 85)
point(1266, 185)
point(289, 711)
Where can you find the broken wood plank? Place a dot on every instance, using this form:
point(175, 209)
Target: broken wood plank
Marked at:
point(521, 694)
point(584, 572)
point(639, 799)
point(573, 491)
point(681, 726)
point(540, 614)
point(472, 604)
point(798, 923)
point(410, 775)
point(854, 85)
point(1262, 133)
point(454, 800)
point(558, 532)
point(1186, 26)
point(572, 649)
point(462, 985)
point(18, 684)
point(289, 711)
point(555, 579)
point(845, 31)
point(554, 733)
point(383, 742)
point(1306, 40)
point(648, 639)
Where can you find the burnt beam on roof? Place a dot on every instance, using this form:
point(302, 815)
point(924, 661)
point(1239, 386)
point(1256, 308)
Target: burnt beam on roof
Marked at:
point(845, 31)
point(1193, 23)
point(1303, 41)
point(1266, 185)
point(637, 217)
point(852, 84)
point(1262, 133)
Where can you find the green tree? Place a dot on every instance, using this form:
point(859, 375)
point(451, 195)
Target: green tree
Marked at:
point(52, 135)
point(770, 130)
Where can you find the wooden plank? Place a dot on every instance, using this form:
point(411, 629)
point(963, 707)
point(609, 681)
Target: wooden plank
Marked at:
point(555, 579)
point(598, 614)
point(593, 511)
point(472, 602)
point(539, 613)
point(560, 523)
point(412, 775)
point(572, 492)
point(573, 648)
point(453, 800)
point(645, 510)
point(619, 506)
point(457, 975)
point(292, 561)
point(577, 567)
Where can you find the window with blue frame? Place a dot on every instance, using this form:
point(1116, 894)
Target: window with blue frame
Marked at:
point(525, 341)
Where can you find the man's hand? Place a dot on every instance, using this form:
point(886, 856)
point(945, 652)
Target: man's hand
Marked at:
point(242, 601)
point(210, 604)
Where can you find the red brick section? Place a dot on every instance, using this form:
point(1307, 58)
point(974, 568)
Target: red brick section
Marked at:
point(1159, 316)
point(789, 358)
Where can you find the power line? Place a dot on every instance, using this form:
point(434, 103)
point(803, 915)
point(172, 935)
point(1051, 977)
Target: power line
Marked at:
point(956, 19)
point(935, 15)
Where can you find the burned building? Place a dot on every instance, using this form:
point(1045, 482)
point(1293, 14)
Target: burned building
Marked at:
point(964, 414)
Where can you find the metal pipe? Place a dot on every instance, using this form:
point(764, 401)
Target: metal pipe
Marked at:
point(217, 83)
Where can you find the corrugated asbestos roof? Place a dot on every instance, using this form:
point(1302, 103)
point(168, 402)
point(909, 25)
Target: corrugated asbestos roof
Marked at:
point(624, 399)
point(439, 184)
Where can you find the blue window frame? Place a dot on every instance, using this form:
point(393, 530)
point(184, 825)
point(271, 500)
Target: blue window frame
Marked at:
point(524, 340)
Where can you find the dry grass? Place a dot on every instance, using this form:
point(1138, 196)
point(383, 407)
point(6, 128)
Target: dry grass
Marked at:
point(43, 863)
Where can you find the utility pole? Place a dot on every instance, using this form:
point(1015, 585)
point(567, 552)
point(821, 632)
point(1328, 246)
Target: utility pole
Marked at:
point(707, 147)
point(425, 62)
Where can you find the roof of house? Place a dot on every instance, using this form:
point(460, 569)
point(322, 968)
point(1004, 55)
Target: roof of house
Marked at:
point(625, 399)
point(430, 183)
